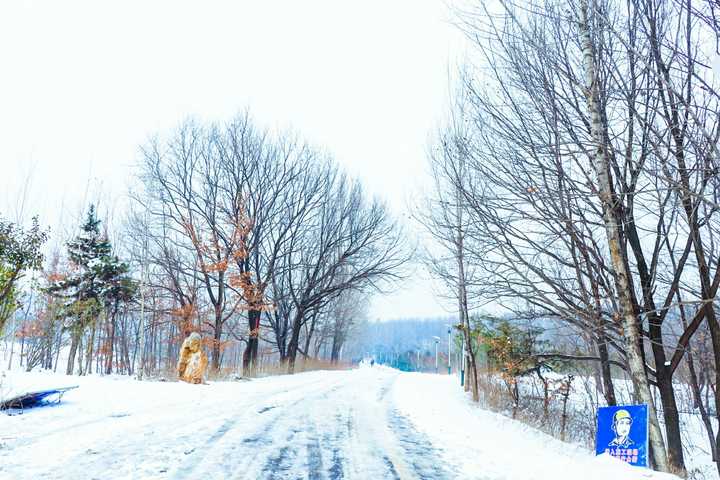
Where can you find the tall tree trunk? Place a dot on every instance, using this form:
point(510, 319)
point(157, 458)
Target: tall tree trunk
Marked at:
point(336, 346)
point(605, 370)
point(282, 348)
point(601, 341)
point(80, 354)
point(462, 301)
point(57, 351)
point(111, 344)
point(466, 370)
point(664, 374)
point(672, 114)
point(667, 397)
point(310, 332)
point(74, 340)
point(294, 340)
point(618, 254)
point(47, 351)
point(702, 264)
point(217, 335)
point(251, 351)
point(89, 353)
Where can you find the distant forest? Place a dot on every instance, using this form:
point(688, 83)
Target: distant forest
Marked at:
point(407, 344)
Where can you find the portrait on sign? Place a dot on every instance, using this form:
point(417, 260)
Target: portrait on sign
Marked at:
point(622, 424)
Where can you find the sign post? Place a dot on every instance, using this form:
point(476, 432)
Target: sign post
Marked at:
point(622, 432)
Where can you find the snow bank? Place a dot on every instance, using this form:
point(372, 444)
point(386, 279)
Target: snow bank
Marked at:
point(483, 444)
point(355, 424)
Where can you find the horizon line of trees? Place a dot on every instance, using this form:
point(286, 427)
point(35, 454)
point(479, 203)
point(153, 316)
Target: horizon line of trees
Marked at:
point(259, 241)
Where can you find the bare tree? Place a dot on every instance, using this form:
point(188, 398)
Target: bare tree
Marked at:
point(243, 223)
point(349, 244)
point(572, 182)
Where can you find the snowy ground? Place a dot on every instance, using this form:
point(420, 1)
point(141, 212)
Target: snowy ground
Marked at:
point(368, 423)
point(585, 397)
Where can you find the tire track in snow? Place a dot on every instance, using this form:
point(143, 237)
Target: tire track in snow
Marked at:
point(259, 440)
point(338, 427)
point(279, 459)
point(391, 468)
point(420, 454)
point(298, 449)
point(415, 454)
point(333, 443)
point(199, 450)
point(314, 456)
point(279, 464)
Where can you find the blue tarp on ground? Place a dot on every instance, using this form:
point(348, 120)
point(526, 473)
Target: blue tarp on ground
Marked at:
point(35, 399)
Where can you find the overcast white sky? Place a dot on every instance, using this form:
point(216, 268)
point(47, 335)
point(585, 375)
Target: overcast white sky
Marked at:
point(84, 83)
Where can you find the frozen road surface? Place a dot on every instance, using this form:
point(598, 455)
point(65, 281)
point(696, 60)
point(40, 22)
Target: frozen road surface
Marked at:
point(368, 423)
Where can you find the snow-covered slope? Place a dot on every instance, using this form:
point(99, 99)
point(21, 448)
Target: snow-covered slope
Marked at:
point(369, 423)
point(488, 445)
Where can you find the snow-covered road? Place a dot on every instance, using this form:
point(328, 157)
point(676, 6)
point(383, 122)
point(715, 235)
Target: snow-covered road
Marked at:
point(369, 423)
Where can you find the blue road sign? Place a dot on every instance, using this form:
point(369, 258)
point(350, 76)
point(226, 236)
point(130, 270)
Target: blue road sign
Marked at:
point(623, 433)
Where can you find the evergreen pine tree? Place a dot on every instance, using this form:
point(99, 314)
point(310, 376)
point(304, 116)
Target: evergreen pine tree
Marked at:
point(99, 282)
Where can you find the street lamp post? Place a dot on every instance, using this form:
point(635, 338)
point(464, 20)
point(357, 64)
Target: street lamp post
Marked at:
point(437, 342)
